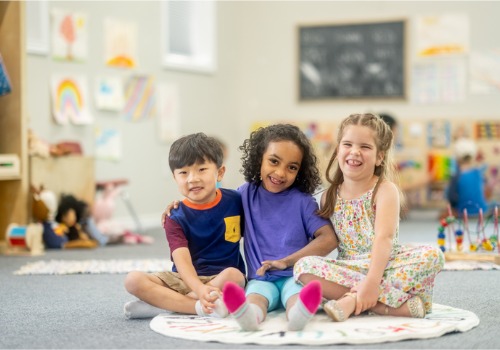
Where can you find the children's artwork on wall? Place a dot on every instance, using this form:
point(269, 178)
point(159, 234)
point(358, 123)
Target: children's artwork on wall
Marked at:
point(109, 94)
point(487, 130)
point(439, 134)
point(140, 98)
point(120, 43)
point(439, 82)
point(69, 99)
point(484, 68)
point(69, 36)
point(108, 144)
point(5, 86)
point(446, 34)
point(441, 166)
point(168, 112)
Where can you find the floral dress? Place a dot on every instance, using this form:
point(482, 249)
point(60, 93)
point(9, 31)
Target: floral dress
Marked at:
point(410, 271)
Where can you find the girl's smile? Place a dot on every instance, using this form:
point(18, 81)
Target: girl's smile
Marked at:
point(280, 165)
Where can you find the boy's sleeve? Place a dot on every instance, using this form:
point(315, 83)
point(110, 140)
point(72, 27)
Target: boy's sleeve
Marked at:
point(175, 235)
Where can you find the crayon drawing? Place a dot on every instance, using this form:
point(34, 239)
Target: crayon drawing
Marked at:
point(108, 144)
point(109, 94)
point(120, 43)
point(140, 99)
point(69, 36)
point(442, 35)
point(69, 100)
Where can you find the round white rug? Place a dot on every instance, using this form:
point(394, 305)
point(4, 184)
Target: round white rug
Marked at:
point(320, 330)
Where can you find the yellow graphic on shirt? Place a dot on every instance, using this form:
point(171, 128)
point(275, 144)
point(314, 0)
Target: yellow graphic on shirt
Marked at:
point(233, 230)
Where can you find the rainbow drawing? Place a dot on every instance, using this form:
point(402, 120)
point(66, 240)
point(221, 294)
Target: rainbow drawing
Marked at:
point(69, 100)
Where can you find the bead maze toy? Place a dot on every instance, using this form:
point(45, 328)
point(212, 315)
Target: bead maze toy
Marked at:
point(481, 247)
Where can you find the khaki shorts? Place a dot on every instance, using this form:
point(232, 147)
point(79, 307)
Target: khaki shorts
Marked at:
point(173, 281)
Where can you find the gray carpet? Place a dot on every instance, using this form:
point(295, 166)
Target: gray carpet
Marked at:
point(85, 311)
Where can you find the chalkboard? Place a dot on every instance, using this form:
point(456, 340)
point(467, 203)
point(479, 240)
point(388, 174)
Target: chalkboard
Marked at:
point(352, 61)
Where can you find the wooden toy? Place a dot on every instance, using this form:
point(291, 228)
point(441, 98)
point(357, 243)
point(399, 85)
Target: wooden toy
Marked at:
point(481, 247)
point(24, 240)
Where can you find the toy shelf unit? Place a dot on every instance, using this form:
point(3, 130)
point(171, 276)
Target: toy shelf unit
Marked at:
point(459, 242)
point(9, 167)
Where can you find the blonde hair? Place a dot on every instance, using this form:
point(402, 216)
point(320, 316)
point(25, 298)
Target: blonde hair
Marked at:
point(387, 170)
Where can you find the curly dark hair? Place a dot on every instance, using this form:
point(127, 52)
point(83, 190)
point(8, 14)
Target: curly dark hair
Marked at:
point(308, 178)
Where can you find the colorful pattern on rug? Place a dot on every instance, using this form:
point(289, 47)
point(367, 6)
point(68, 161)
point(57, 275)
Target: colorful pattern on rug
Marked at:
point(365, 329)
point(70, 267)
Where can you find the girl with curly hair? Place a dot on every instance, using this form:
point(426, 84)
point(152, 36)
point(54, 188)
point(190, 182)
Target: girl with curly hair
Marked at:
point(281, 226)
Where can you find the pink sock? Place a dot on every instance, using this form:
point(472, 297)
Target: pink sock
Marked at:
point(233, 296)
point(310, 296)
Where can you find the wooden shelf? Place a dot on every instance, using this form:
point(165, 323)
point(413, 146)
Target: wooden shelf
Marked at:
point(14, 191)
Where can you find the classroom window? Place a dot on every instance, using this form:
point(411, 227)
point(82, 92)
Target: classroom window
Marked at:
point(189, 35)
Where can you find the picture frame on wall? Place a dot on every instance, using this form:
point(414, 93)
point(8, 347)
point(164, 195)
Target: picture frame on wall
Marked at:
point(189, 35)
point(351, 61)
point(37, 27)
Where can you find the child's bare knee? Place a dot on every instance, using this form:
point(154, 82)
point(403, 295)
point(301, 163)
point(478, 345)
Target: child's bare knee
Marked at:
point(133, 281)
point(234, 275)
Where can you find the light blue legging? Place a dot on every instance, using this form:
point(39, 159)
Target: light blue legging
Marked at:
point(274, 292)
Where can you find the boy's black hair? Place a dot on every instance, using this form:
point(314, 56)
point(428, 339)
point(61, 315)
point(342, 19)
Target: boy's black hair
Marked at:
point(253, 148)
point(194, 149)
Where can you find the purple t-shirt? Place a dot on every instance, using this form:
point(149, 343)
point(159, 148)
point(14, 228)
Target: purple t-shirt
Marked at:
point(276, 225)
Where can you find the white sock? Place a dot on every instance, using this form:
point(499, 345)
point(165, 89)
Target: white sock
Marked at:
point(248, 316)
point(220, 310)
point(141, 309)
point(298, 316)
point(305, 307)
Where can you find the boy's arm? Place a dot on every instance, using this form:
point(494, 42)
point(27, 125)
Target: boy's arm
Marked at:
point(183, 262)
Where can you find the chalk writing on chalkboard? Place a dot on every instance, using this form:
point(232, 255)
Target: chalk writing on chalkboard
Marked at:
point(352, 61)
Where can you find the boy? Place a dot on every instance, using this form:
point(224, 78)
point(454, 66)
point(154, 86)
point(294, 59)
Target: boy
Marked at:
point(203, 234)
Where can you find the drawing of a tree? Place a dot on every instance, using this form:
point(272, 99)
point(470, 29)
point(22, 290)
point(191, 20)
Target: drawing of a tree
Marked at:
point(67, 30)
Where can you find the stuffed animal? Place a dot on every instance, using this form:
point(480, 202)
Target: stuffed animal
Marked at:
point(71, 213)
point(102, 212)
point(64, 233)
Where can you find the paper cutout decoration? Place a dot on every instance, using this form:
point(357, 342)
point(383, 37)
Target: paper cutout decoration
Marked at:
point(69, 100)
point(69, 36)
point(120, 43)
point(109, 94)
point(140, 100)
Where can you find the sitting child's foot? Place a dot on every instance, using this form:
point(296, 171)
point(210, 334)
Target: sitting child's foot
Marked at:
point(248, 316)
point(141, 309)
point(340, 310)
point(220, 310)
point(414, 307)
point(306, 306)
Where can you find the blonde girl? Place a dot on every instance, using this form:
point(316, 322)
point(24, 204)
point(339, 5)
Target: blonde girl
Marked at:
point(372, 272)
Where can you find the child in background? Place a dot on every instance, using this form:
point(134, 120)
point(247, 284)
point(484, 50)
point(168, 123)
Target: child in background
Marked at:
point(372, 271)
point(281, 226)
point(203, 234)
point(466, 189)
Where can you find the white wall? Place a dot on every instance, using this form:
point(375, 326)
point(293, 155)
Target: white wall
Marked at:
point(256, 80)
